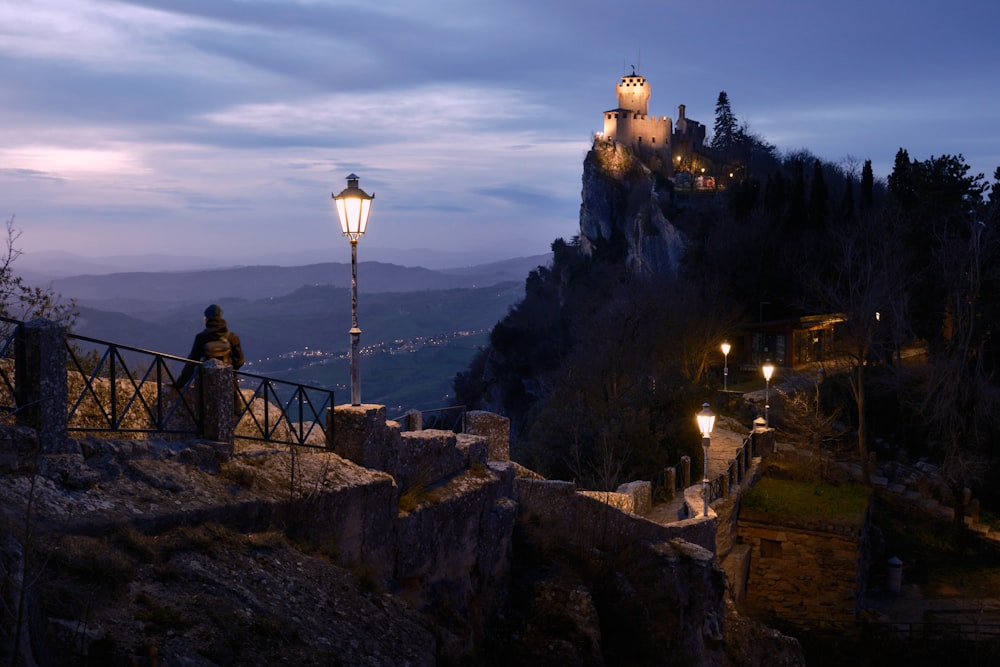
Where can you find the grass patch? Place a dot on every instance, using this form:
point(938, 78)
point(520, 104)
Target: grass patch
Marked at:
point(809, 500)
point(239, 474)
point(932, 560)
point(92, 559)
point(411, 497)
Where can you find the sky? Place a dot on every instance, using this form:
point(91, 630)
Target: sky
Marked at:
point(220, 128)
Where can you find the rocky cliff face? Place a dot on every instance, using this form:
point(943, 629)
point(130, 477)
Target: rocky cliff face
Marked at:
point(152, 552)
point(622, 207)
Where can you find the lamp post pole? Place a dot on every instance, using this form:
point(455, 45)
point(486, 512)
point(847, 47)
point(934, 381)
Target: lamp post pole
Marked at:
point(353, 207)
point(768, 370)
point(725, 369)
point(355, 332)
point(706, 421)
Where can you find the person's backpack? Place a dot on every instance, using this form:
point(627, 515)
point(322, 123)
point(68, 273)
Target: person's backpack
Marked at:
point(219, 348)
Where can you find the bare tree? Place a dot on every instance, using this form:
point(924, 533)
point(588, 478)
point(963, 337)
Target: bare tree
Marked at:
point(21, 301)
point(961, 401)
point(868, 288)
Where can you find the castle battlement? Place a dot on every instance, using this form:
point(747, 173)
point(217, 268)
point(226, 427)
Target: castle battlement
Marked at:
point(631, 124)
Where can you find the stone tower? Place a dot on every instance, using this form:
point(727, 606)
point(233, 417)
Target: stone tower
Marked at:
point(633, 94)
point(630, 123)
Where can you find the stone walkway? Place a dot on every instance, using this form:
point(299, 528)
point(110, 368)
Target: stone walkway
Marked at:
point(721, 450)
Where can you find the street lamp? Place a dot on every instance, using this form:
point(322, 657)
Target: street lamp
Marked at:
point(706, 421)
point(725, 370)
point(768, 370)
point(353, 207)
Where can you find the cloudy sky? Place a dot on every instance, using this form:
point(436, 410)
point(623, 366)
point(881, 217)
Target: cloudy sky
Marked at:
point(219, 128)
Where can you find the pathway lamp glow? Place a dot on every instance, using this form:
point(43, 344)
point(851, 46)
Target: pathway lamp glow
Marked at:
point(706, 422)
point(768, 370)
point(725, 369)
point(353, 207)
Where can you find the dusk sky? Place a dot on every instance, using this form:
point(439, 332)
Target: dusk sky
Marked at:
point(220, 128)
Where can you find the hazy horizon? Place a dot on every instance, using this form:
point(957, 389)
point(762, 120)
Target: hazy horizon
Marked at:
point(62, 263)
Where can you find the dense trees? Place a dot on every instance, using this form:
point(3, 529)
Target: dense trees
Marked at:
point(600, 370)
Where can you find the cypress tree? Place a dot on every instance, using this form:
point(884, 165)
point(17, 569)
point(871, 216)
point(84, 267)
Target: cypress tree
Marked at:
point(818, 198)
point(726, 129)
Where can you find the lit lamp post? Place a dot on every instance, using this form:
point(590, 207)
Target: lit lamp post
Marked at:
point(353, 207)
point(706, 421)
point(725, 369)
point(768, 370)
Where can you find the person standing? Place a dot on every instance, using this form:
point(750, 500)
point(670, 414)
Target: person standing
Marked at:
point(215, 341)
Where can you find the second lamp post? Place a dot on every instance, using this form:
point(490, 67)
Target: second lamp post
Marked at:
point(706, 422)
point(768, 370)
point(725, 369)
point(353, 207)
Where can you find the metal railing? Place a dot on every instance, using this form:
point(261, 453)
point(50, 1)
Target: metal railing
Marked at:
point(723, 482)
point(279, 411)
point(122, 389)
point(669, 481)
point(450, 418)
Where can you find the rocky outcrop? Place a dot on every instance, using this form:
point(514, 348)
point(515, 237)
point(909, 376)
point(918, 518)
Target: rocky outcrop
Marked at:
point(622, 207)
point(156, 552)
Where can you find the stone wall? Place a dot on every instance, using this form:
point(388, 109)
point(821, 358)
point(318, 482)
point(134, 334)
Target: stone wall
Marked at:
point(493, 427)
point(809, 576)
point(656, 589)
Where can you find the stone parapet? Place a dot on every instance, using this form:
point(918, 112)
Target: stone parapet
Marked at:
point(641, 493)
point(362, 434)
point(493, 427)
point(413, 458)
point(592, 522)
point(425, 457)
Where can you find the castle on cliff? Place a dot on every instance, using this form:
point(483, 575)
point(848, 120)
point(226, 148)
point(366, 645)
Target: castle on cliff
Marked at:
point(631, 124)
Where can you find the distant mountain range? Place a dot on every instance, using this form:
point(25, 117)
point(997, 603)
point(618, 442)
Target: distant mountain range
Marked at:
point(144, 291)
point(420, 326)
point(41, 266)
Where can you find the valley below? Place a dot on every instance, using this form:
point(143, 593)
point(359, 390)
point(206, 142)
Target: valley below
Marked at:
point(419, 327)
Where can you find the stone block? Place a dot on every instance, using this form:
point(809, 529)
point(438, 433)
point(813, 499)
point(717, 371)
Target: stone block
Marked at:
point(361, 435)
point(493, 427)
point(641, 493)
point(474, 448)
point(429, 456)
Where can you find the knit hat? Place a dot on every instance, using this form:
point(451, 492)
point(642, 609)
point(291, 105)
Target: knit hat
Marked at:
point(213, 311)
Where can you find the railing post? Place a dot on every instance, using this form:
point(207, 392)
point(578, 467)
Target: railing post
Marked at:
point(218, 393)
point(331, 440)
point(671, 481)
point(686, 470)
point(41, 383)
